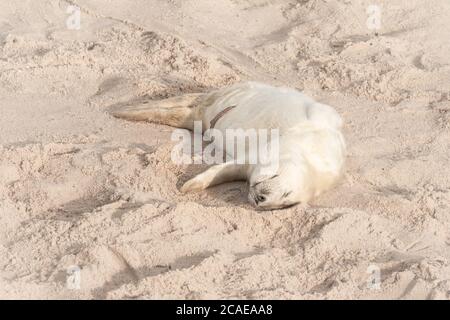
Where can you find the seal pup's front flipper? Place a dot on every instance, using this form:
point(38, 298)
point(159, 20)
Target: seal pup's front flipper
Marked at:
point(180, 112)
point(217, 174)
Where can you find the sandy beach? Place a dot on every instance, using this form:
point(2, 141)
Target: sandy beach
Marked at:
point(90, 206)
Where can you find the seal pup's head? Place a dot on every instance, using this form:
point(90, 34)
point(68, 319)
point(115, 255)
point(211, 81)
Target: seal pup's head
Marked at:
point(289, 185)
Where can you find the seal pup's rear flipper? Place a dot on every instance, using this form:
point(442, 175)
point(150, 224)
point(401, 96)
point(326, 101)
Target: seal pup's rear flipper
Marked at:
point(180, 112)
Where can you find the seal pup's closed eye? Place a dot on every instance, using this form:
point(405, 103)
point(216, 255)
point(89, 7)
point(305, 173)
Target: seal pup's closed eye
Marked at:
point(311, 147)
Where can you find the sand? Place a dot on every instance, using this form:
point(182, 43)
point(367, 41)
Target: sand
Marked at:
point(90, 205)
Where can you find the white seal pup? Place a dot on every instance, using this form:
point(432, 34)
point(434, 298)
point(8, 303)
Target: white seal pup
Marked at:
point(311, 145)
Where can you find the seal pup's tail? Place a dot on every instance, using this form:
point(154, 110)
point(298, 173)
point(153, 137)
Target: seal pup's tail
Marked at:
point(180, 112)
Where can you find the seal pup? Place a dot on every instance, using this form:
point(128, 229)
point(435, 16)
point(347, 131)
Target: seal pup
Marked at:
point(311, 145)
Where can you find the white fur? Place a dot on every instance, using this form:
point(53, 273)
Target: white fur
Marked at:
point(312, 148)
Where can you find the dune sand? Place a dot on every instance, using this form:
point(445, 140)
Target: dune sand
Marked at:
point(90, 205)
